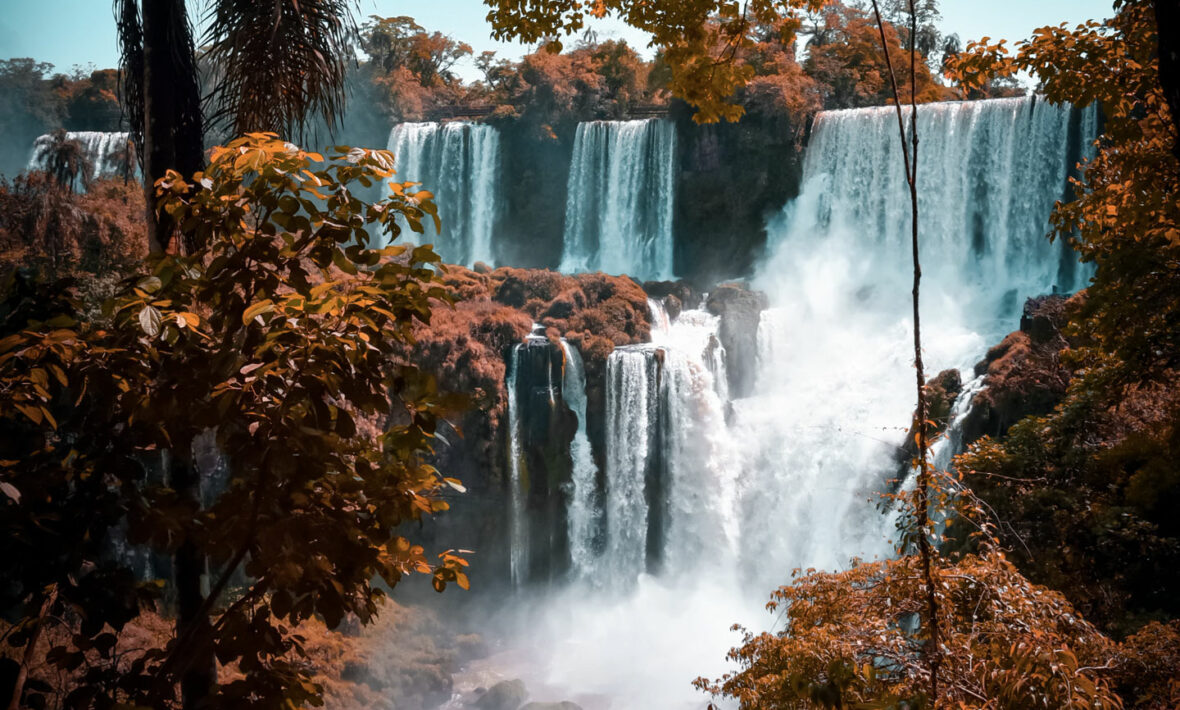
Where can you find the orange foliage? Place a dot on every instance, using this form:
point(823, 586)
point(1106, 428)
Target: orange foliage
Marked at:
point(849, 638)
point(846, 60)
point(100, 232)
point(464, 346)
point(406, 653)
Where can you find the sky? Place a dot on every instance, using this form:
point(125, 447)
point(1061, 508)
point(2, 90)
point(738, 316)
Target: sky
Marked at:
point(83, 31)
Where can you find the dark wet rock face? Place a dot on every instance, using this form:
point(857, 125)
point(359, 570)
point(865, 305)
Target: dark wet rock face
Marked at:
point(687, 295)
point(941, 391)
point(468, 347)
point(1025, 375)
point(740, 310)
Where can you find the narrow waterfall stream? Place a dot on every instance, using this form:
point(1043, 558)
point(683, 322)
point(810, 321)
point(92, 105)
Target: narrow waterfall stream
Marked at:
point(632, 376)
point(517, 530)
point(584, 512)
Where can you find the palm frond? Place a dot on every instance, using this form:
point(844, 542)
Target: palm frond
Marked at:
point(279, 62)
point(130, 30)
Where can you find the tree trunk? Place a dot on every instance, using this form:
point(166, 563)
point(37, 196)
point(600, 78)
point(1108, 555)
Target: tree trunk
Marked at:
point(22, 676)
point(1167, 20)
point(172, 131)
point(198, 670)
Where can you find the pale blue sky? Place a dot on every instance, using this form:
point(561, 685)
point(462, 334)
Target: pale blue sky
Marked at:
point(69, 32)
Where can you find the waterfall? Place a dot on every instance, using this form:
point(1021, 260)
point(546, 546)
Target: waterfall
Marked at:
point(834, 390)
point(517, 525)
point(107, 152)
point(631, 381)
point(584, 514)
point(989, 174)
point(699, 457)
point(460, 163)
point(950, 443)
point(621, 197)
point(711, 501)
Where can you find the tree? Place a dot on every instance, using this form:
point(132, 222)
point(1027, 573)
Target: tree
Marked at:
point(1103, 462)
point(277, 64)
point(700, 37)
point(28, 109)
point(845, 642)
point(395, 42)
point(282, 346)
point(274, 65)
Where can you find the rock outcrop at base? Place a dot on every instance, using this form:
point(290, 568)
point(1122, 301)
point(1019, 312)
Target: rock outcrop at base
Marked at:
point(1025, 373)
point(740, 309)
point(467, 347)
point(505, 695)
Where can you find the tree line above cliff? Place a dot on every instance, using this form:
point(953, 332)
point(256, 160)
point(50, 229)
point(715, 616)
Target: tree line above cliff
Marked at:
point(409, 73)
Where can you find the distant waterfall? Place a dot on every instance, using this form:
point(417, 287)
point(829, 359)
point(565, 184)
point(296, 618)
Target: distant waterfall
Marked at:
point(107, 152)
point(621, 199)
point(584, 511)
point(989, 174)
point(460, 163)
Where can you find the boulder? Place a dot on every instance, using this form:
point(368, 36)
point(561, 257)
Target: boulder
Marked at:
point(1043, 317)
point(740, 310)
point(1025, 375)
point(505, 695)
point(673, 306)
point(684, 292)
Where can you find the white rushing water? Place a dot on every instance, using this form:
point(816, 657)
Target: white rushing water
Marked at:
point(699, 455)
point(584, 509)
point(460, 163)
point(752, 488)
point(621, 199)
point(107, 152)
point(630, 440)
point(517, 529)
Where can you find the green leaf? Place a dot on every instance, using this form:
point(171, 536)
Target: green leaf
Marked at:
point(10, 491)
point(150, 320)
point(257, 309)
point(341, 261)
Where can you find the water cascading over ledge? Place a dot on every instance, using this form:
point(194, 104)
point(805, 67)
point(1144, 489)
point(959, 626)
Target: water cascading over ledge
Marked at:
point(621, 199)
point(460, 163)
point(110, 153)
point(989, 174)
point(708, 504)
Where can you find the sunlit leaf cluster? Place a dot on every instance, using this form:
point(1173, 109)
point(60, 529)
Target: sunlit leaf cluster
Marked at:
point(700, 38)
point(273, 361)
